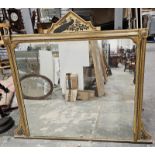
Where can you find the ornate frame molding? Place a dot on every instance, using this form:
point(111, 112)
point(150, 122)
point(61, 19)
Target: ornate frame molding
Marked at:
point(72, 22)
point(137, 35)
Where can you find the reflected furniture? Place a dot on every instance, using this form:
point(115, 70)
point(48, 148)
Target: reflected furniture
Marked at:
point(114, 60)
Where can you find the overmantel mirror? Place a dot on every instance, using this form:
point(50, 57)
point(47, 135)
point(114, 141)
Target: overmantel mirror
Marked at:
point(77, 82)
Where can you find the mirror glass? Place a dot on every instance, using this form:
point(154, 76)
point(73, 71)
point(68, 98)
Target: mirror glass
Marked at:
point(79, 88)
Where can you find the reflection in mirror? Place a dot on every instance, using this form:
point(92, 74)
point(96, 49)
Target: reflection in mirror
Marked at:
point(79, 88)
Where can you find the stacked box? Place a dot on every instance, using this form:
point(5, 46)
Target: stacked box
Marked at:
point(72, 81)
point(71, 87)
point(85, 94)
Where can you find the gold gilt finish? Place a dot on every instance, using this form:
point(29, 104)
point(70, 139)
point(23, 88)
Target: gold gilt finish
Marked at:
point(137, 35)
point(72, 23)
point(5, 28)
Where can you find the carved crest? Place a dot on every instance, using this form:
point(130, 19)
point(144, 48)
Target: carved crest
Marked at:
point(71, 22)
point(4, 27)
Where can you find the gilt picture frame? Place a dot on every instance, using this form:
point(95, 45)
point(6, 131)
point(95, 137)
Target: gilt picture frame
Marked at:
point(138, 36)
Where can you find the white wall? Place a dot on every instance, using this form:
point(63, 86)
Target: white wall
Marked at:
point(22, 47)
point(74, 55)
point(27, 20)
point(46, 64)
point(126, 43)
point(56, 70)
point(115, 43)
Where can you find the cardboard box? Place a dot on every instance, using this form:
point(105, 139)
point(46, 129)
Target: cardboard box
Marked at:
point(72, 81)
point(82, 95)
point(91, 93)
point(85, 94)
point(71, 95)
